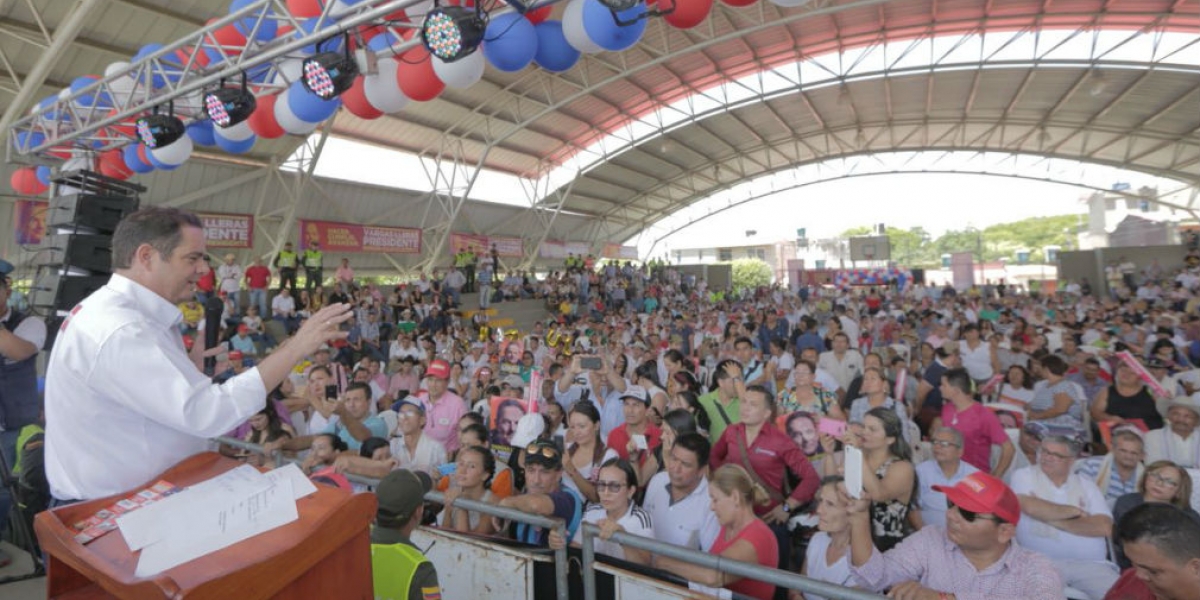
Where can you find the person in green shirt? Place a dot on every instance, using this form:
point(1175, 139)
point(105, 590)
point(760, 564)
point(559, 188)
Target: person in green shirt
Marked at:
point(723, 404)
point(399, 570)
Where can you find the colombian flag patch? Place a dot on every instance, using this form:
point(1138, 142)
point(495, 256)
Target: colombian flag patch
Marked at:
point(431, 593)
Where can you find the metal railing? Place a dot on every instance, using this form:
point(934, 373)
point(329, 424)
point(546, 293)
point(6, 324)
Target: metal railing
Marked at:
point(511, 514)
point(777, 577)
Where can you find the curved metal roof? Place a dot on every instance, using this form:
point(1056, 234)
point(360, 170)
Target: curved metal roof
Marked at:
point(1144, 115)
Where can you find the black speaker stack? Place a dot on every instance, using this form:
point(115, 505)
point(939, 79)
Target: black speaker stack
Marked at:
point(75, 258)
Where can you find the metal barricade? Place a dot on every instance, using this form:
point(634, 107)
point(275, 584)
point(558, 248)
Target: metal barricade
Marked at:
point(776, 577)
point(560, 555)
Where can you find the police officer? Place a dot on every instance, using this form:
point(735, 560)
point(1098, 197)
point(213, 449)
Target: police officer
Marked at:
point(21, 338)
point(399, 569)
point(313, 261)
point(285, 261)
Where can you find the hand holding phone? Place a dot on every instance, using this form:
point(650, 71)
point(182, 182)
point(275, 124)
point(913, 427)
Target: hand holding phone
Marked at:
point(331, 392)
point(591, 363)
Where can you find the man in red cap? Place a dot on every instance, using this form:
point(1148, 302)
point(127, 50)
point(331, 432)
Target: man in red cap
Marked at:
point(975, 556)
point(443, 408)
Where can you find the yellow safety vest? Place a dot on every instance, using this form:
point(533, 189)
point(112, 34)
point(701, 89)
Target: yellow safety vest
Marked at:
point(312, 259)
point(392, 569)
point(287, 260)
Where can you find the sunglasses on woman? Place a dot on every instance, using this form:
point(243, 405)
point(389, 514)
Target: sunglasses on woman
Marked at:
point(971, 516)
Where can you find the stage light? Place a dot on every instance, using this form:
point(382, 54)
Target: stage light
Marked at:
point(228, 106)
point(452, 32)
point(328, 74)
point(618, 5)
point(157, 130)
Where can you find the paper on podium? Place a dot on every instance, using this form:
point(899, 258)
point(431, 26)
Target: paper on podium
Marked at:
point(854, 471)
point(144, 527)
point(227, 522)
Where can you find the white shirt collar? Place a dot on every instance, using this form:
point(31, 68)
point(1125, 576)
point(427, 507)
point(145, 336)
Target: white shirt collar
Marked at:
point(151, 304)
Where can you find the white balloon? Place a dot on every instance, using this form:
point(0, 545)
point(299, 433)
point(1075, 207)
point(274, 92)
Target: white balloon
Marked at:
point(288, 70)
point(237, 133)
point(288, 120)
point(383, 88)
point(122, 88)
point(419, 9)
point(574, 31)
point(462, 73)
point(175, 154)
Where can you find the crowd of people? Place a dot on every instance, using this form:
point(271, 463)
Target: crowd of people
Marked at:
point(927, 441)
point(1003, 435)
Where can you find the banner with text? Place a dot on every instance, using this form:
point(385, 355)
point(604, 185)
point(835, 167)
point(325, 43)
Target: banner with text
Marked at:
point(348, 237)
point(557, 249)
point(507, 247)
point(620, 252)
point(29, 221)
point(228, 230)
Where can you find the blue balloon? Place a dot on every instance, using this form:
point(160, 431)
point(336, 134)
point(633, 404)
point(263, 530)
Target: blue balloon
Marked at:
point(51, 115)
point(236, 147)
point(99, 100)
point(133, 161)
point(510, 42)
point(156, 80)
point(600, 26)
point(333, 44)
point(43, 174)
point(28, 139)
point(553, 52)
point(307, 106)
point(266, 30)
point(201, 133)
point(258, 74)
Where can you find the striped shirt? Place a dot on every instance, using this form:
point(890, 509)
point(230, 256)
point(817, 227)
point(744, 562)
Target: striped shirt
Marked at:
point(1089, 469)
point(635, 522)
point(931, 559)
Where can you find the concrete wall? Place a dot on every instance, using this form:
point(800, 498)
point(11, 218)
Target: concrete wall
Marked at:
point(1076, 265)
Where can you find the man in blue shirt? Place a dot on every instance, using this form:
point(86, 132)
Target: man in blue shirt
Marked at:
point(354, 424)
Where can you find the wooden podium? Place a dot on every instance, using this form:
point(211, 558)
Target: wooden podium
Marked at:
point(325, 554)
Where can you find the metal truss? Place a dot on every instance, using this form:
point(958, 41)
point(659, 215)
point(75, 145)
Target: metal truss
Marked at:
point(1076, 173)
point(183, 78)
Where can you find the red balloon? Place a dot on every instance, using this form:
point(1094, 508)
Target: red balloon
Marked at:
point(144, 154)
point(416, 76)
point(305, 8)
point(232, 41)
point(355, 101)
point(183, 55)
point(63, 152)
point(689, 13)
point(262, 120)
point(538, 15)
point(739, 2)
point(112, 164)
point(25, 182)
point(126, 127)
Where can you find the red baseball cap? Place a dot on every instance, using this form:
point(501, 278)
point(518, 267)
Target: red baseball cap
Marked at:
point(439, 369)
point(236, 355)
point(243, 328)
point(983, 493)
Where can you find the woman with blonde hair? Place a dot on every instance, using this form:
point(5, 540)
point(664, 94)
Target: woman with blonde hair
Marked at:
point(743, 536)
point(1163, 482)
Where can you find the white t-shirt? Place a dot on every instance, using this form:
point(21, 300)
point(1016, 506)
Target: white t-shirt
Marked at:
point(818, 568)
point(690, 522)
point(977, 362)
point(1055, 543)
point(635, 522)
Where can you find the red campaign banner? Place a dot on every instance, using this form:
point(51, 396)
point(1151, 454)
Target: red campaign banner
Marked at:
point(465, 241)
point(29, 221)
point(228, 230)
point(552, 249)
point(508, 247)
point(348, 237)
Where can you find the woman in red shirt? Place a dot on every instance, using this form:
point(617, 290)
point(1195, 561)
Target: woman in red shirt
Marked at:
point(743, 536)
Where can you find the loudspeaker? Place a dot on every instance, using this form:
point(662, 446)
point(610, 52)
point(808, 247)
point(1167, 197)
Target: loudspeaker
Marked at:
point(53, 291)
point(918, 276)
point(88, 212)
point(89, 252)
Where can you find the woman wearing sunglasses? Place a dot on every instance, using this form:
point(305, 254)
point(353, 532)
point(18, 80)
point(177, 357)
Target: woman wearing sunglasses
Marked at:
point(616, 511)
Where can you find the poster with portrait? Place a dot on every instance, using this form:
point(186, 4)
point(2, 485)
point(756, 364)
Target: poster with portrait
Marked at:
point(505, 413)
point(510, 355)
point(801, 427)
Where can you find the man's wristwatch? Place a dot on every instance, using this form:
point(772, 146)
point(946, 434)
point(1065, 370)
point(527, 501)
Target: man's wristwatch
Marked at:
point(787, 508)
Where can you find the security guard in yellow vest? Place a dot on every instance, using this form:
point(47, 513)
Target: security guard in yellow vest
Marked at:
point(398, 568)
point(285, 262)
point(468, 268)
point(313, 261)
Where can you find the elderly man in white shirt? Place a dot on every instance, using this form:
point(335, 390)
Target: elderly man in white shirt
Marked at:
point(945, 469)
point(229, 280)
point(1065, 517)
point(124, 400)
point(677, 498)
point(1178, 442)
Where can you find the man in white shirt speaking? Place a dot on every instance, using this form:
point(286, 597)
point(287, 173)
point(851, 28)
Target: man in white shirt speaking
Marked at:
point(124, 400)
